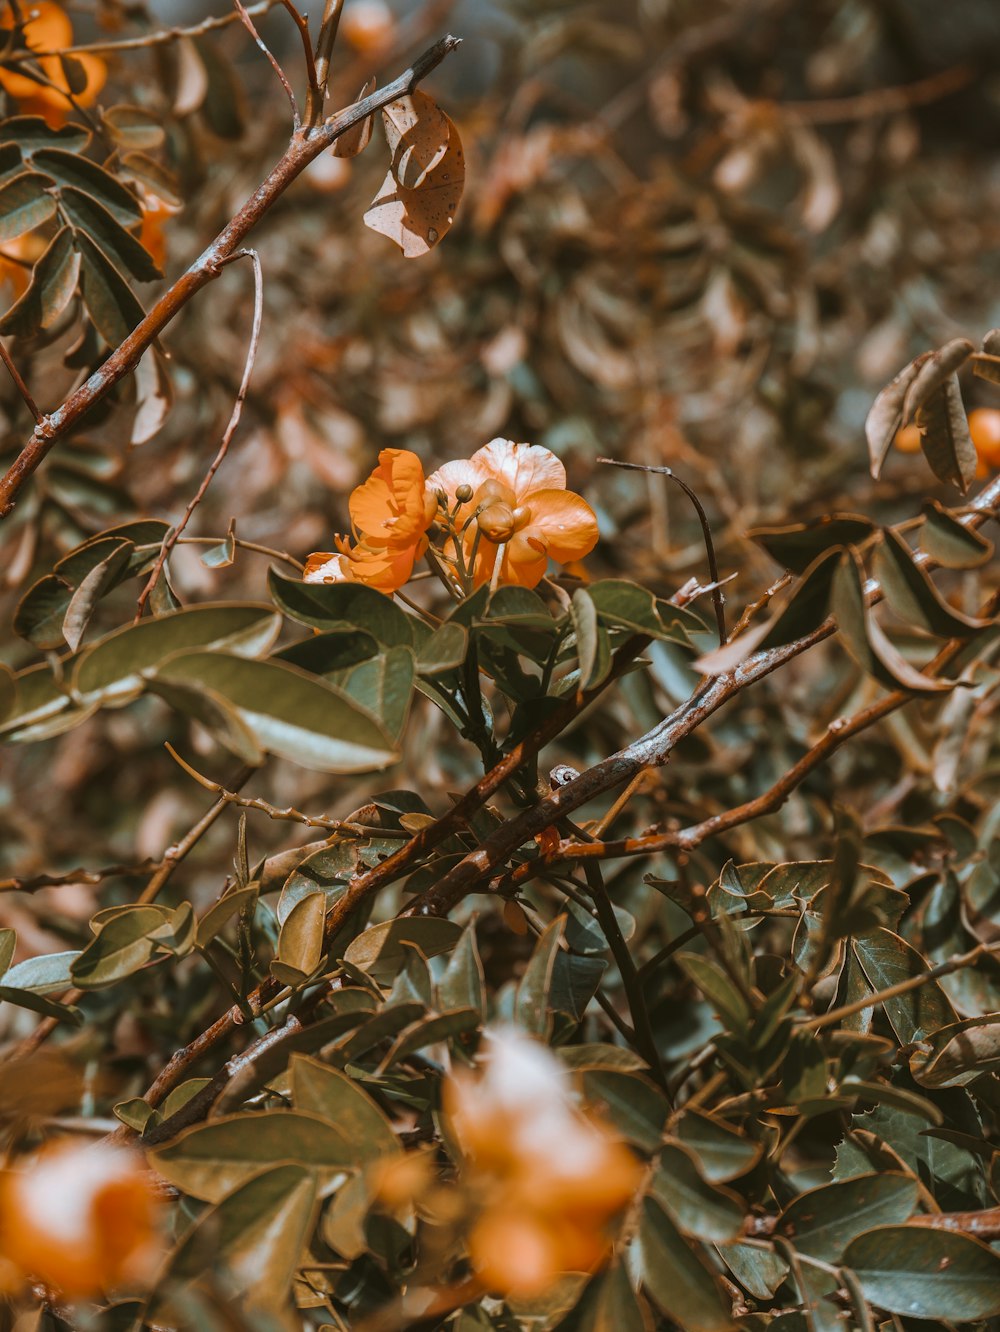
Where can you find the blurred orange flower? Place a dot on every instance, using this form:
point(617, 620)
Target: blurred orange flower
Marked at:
point(390, 515)
point(79, 1219)
point(523, 514)
point(984, 427)
point(548, 1180)
point(48, 28)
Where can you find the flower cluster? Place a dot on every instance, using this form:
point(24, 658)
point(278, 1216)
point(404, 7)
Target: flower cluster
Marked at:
point(80, 1219)
point(547, 1180)
point(498, 517)
point(47, 28)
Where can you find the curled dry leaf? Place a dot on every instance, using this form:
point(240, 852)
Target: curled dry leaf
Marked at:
point(416, 216)
point(356, 139)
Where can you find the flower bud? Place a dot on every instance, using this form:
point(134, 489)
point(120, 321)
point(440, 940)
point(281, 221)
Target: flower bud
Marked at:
point(463, 493)
point(497, 523)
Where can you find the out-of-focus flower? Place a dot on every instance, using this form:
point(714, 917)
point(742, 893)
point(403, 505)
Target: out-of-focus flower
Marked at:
point(521, 513)
point(81, 1219)
point(984, 427)
point(547, 1180)
point(390, 515)
point(15, 275)
point(368, 26)
point(908, 439)
point(155, 212)
point(48, 28)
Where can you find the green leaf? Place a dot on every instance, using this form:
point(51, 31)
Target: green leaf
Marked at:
point(923, 1273)
point(950, 542)
point(610, 1305)
point(222, 721)
point(99, 581)
point(886, 959)
point(124, 945)
point(463, 984)
point(52, 287)
point(383, 1026)
point(37, 1004)
point(379, 950)
point(634, 1105)
point(944, 435)
point(108, 234)
point(444, 650)
point(44, 974)
point(592, 645)
point(258, 1235)
point(822, 1222)
point(133, 127)
point(796, 546)
point(382, 685)
point(8, 942)
point(42, 709)
point(30, 133)
point(300, 943)
point(695, 1206)
point(24, 204)
point(531, 1003)
point(802, 612)
point(80, 172)
point(912, 594)
point(722, 1152)
point(341, 606)
point(677, 1276)
point(217, 917)
point(145, 536)
point(760, 1270)
point(430, 1031)
point(960, 1053)
point(210, 1160)
point(331, 1094)
point(115, 666)
point(110, 301)
point(40, 612)
point(718, 989)
point(865, 640)
point(629, 606)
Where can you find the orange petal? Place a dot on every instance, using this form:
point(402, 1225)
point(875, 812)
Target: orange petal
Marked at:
point(564, 523)
point(524, 467)
point(326, 566)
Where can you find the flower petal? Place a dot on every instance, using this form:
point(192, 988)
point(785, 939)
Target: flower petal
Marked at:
point(565, 523)
point(524, 467)
point(325, 566)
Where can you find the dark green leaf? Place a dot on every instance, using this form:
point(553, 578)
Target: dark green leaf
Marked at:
point(331, 1094)
point(300, 943)
point(886, 959)
point(221, 912)
point(960, 1053)
point(108, 235)
point(634, 1105)
point(531, 1004)
point(100, 580)
point(592, 646)
point(912, 594)
point(629, 606)
point(444, 650)
point(8, 692)
point(70, 169)
point(210, 1160)
point(341, 606)
point(697, 1208)
point(40, 612)
point(924, 1273)
point(950, 542)
point(24, 204)
point(796, 546)
point(822, 1222)
point(257, 1235)
point(218, 716)
point(887, 415)
point(110, 301)
point(677, 1276)
point(463, 984)
point(33, 132)
point(430, 1031)
point(723, 1152)
point(133, 127)
point(379, 950)
point(717, 987)
point(52, 287)
point(865, 640)
point(115, 666)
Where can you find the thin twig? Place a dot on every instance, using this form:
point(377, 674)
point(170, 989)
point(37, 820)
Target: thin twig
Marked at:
point(879, 101)
point(234, 419)
point(314, 98)
point(161, 37)
point(718, 598)
point(325, 42)
point(19, 383)
point(37, 882)
point(305, 147)
point(248, 23)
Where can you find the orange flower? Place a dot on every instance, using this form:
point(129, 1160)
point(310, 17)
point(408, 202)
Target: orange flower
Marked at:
point(984, 427)
point(390, 515)
point(522, 514)
point(547, 1180)
point(80, 1219)
point(48, 28)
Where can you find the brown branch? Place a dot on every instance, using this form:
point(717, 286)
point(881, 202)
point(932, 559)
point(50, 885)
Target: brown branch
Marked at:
point(36, 882)
point(173, 537)
point(314, 98)
point(305, 145)
point(248, 23)
point(161, 37)
point(984, 1225)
